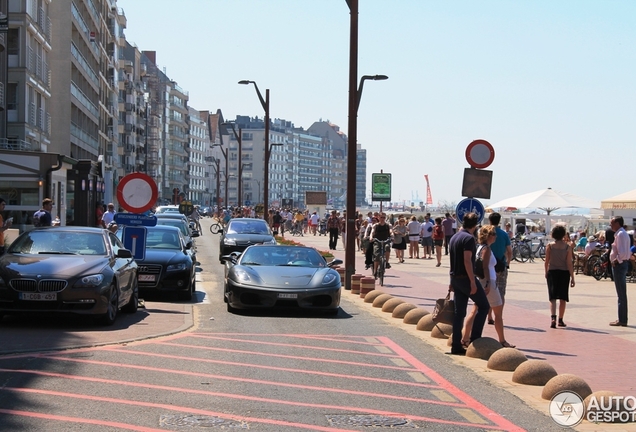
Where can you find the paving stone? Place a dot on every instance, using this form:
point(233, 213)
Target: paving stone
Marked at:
point(379, 301)
point(413, 316)
point(401, 310)
point(425, 323)
point(371, 295)
point(483, 348)
point(566, 382)
point(506, 359)
point(534, 372)
point(391, 304)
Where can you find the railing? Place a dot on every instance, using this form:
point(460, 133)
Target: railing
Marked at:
point(18, 145)
point(77, 132)
point(75, 91)
point(82, 61)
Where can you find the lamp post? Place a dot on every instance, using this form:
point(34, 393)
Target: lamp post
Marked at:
point(265, 105)
point(225, 154)
point(355, 94)
point(217, 168)
point(239, 139)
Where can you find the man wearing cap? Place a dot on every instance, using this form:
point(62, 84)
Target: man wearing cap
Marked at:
point(109, 215)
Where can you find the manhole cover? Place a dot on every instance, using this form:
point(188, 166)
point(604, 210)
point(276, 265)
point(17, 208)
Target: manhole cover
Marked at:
point(200, 421)
point(369, 421)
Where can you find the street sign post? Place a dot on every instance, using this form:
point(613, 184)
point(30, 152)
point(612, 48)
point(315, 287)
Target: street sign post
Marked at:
point(137, 192)
point(131, 219)
point(134, 239)
point(469, 205)
point(480, 154)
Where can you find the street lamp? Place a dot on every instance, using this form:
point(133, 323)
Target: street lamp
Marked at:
point(225, 154)
point(265, 105)
point(239, 139)
point(355, 94)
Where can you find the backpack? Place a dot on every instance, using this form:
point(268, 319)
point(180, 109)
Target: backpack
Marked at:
point(479, 263)
point(37, 222)
point(438, 233)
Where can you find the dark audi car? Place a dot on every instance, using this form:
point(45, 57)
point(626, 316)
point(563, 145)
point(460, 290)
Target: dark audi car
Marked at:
point(78, 270)
point(266, 276)
point(167, 266)
point(240, 233)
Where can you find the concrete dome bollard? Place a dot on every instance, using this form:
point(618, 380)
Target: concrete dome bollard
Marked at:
point(414, 315)
point(367, 284)
point(355, 283)
point(425, 323)
point(401, 310)
point(566, 382)
point(442, 331)
point(483, 348)
point(391, 304)
point(534, 372)
point(506, 359)
point(379, 301)
point(601, 402)
point(371, 295)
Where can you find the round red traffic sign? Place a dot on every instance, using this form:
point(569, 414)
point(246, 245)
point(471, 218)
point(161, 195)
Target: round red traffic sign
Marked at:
point(137, 192)
point(480, 153)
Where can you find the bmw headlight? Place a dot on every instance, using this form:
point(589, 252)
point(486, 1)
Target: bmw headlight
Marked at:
point(90, 281)
point(176, 267)
point(329, 278)
point(229, 241)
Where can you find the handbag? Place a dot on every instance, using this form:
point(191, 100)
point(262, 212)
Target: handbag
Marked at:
point(444, 311)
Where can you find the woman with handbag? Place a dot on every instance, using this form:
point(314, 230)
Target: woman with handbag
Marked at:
point(488, 279)
point(400, 234)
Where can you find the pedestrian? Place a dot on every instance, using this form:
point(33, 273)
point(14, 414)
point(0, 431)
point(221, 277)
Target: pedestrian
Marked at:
point(465, 285)
point(502, 249)
point(333, 227)
point(509, 230)
point(426, 235)
point(109, 215)
point(559, 273)
point(414, 238)
point(277, 223)
point(487, 238)
point(438, 240)
point(99, 214)
point(619, 257)
point(4, 225)
point(358, 226)
point(43, 216)
point(368, 250)
point(447, 224)
point(400, 235)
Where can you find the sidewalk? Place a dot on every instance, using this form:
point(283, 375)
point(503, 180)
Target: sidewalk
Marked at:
point(604, 356)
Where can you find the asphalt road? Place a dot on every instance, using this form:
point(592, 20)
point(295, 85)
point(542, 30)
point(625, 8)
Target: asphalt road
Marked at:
point(270, 371)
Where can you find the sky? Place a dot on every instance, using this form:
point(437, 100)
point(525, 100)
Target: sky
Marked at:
point(551, 85)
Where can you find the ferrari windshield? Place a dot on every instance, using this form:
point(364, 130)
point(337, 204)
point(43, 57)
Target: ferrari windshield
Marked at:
point(282, 256)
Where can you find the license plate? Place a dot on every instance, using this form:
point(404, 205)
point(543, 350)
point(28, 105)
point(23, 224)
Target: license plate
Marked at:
point(146, 278)
point(287, 296)
point(38, 296)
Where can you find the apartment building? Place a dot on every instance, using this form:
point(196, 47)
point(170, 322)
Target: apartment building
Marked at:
point(199, 188)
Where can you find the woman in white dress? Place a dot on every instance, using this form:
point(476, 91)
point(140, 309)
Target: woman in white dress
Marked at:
point(487, 236)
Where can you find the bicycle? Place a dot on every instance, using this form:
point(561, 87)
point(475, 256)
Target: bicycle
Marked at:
point(217, 227)
point(600, 266)
point(297, 229)
point(522, 249)
point(384, 245)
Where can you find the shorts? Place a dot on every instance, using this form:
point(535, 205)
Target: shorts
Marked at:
point(427, 241)
point(502, 281)
point(414, 238)
point(494, 297)
point(438, 242)
point(376, 250)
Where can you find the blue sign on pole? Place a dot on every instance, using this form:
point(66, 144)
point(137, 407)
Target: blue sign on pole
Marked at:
point(470, 205)
point(134, 239)
point(135, 219)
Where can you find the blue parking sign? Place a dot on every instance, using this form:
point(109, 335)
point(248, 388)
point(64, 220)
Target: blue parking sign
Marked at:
point(134, 238)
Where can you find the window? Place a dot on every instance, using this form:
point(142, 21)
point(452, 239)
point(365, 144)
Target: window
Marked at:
point(13, 41)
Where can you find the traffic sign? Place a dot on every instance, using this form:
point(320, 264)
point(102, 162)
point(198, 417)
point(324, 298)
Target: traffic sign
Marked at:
point(477, 183)
point(133, 219)
point(186, 208)
point(137, 192)
point(134, 239)
point(480, 154)
point(469, 205)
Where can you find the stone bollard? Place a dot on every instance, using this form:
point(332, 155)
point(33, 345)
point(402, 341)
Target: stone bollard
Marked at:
point(341, 272)
point(355, 283)
point(367, 284)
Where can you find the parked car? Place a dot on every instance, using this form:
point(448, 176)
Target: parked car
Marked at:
point(240, 233)
point(167, 209)
point(167, 265)
point(77, 270)
point(265, 276)
point(180, 221)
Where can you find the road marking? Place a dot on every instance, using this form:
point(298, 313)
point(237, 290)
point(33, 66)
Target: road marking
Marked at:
point(419, 377)
point(399, 362)
point(443, 395)
point(471, 415)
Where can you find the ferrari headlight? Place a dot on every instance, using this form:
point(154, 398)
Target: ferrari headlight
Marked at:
point(329, 278)
point(176, 267)
point(242, 276)
point(229, 241)
point(90, 281)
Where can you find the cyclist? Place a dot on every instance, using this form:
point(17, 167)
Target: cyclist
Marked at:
point(380, 231)
point(194, 217)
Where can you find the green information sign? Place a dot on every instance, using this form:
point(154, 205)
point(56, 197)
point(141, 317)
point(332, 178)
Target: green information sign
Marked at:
point(380, 187)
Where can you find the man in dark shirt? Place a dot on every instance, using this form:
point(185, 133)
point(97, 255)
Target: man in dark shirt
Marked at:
point(380, 231)
point(464, 283)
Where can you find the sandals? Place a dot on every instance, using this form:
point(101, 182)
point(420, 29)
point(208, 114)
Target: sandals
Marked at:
point(465, 344)
point(506, 344)
point(491, 321)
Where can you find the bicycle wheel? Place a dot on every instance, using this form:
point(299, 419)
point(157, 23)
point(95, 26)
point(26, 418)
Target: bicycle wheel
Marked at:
point(515, 253)
point(215, 228)
point(597, 270)
point(541, 252)
point(526, 253)
point(381, 273)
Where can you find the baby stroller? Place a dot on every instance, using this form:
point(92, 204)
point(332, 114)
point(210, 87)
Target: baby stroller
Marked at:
point(322, 227)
